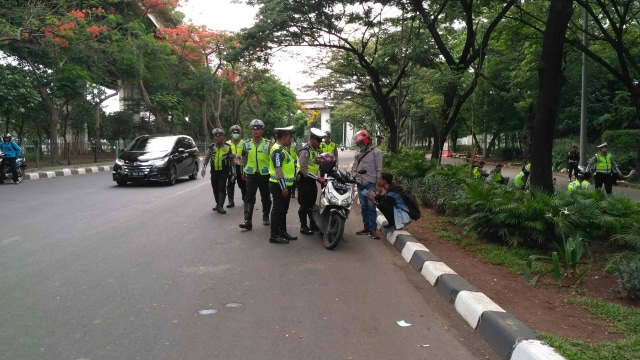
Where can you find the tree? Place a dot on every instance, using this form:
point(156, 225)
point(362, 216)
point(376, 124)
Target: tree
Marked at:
point(551, 81)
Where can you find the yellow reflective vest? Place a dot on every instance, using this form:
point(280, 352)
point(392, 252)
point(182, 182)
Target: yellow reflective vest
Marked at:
point(257, 157)
point(288, 167)
point(328, 148)
point(219, 156)
point(603, 164)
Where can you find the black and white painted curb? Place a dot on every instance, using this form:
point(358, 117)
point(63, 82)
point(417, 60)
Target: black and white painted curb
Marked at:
point(65, 172)
point(506, 335)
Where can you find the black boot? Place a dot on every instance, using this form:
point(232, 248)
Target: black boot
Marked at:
point(221, 209)
point(248, 215)
point(265, 220)
point(231, 204)
point(305, 230)
point(276, 239)
point(283, 231)
point(313, 226)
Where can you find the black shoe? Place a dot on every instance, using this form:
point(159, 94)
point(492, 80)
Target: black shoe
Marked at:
point(246, 225)
point(315, 227)
point(265, 220)
point(231, 205)
point(278, 240)
point(289, 237)
point(293, 195)
point(306, 231)
point(221, 210)
point(362, 232)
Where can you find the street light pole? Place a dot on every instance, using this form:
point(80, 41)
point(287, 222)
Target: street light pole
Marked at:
point(583, 97)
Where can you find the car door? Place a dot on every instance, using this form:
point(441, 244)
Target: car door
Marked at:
point(180, 156)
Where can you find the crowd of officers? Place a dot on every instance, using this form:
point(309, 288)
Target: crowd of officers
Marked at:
point(275, 168)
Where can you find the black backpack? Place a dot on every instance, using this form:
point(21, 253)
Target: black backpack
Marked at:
point(411, 201)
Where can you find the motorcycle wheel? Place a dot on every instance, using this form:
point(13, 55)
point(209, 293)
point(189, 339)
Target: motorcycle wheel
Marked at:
point(333, 232)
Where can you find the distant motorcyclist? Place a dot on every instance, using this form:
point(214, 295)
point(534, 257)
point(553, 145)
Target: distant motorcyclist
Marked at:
point(11, 152)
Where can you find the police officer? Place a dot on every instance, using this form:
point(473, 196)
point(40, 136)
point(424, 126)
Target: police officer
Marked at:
point(255, 159)
point(329, 146)
point(572, 161)
point(219, 154)
point(604, 167)
point(293, 151)
point(236, 162)
point(281, 172)
point(308, 172)
point(582, 182)
point(522, 179)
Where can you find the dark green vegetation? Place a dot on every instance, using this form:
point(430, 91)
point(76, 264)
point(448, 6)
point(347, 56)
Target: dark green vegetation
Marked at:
point(534, 233)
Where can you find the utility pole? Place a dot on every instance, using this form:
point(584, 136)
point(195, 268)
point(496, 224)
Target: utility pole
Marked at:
point(583, 97)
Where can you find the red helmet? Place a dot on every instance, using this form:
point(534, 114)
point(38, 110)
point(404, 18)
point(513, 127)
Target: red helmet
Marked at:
point(326, 161)
point(362, 137)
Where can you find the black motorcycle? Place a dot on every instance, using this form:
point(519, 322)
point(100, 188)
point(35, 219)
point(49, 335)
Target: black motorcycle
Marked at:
point(6, 169)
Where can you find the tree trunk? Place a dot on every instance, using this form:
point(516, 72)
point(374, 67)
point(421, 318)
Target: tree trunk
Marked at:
point(551, 82)
point(55, 120)
point(205, 128)
point(152, 108)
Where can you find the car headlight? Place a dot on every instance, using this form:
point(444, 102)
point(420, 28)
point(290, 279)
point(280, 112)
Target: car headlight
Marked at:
point(119, 162)
point(159, 162)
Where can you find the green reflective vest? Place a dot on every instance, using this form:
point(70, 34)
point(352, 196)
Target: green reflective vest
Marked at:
point(312, 165)
point(328, 148)
point(603, 164)
point(257, 157)
point(220, 156)
point(288, 167)
point(577, 184)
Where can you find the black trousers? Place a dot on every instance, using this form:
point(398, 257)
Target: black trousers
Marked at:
point(257, 182)
point(307, 193)
point(11, 162)
point(606, 179)
point(386, 208)
point(280, 209)
point(218, 184)
point(231, 185)
point(573, 168)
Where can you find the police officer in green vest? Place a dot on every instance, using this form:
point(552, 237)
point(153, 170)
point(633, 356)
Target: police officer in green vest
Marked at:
point(281, 176)
point(329, 146)
point(604, 167)
point(293, 150)
point(236, 162)
point(255, 159)
point(521, 180)
point(308, 174)
point(582, 182)
point(218, 154)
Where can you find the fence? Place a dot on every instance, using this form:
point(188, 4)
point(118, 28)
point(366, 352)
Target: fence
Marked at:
point(42, 154)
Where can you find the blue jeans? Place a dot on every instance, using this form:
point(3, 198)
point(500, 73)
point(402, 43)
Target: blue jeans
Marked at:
point(369, 213)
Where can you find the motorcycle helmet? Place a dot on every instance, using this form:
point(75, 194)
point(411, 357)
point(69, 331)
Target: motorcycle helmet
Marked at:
point(327, 162)
point(256, 122)
point(362, 138)
point(7, 135)
point(217, 131)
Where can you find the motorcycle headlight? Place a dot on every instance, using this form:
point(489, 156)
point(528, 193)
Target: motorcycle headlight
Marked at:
point(345, 202)
point(334, 200)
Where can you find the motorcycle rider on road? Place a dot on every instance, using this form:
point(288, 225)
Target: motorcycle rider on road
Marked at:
point(11, 152)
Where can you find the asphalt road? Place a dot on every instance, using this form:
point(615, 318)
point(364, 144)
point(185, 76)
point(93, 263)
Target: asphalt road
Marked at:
point(89, 270)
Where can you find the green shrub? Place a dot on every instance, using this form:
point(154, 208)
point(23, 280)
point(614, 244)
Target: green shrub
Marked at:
point(406, 164)
point(627, 269)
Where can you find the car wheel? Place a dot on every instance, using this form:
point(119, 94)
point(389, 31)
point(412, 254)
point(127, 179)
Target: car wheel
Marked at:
point(173, 176)
point(121, 183)
point(194, 173)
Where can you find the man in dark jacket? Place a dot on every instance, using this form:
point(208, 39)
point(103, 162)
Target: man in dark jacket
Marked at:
point(572, 161)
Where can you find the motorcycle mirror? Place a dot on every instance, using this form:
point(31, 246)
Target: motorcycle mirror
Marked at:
point(363, 171)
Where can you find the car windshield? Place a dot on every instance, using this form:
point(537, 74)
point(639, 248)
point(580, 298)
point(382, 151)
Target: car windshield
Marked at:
point(152, 144)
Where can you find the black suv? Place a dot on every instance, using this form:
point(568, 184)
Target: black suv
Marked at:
point(161, 158)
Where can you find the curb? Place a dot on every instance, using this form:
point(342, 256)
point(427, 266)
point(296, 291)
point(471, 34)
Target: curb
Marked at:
point(507, 336)
point(65, 172)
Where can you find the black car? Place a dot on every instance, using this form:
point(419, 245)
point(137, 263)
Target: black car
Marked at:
point(157, 158)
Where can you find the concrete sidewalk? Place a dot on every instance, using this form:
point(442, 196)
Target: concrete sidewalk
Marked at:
point(48, 173)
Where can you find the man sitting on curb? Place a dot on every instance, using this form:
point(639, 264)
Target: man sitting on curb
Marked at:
point(388, 199)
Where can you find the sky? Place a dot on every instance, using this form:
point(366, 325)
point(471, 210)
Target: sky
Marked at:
point(224, 15)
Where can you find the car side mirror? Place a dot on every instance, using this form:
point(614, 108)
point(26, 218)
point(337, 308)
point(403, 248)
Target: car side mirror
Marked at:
point(181, 150)
point(361, 172)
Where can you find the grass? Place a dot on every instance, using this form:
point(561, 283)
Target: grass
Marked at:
point(624, 321)
point(621, 320)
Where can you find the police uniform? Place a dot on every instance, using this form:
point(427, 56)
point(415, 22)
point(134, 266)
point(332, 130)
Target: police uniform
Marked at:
point(522, 179)
point(604, 167)
point(236, 153)
point(281, 177)
point(308, 171)
point(293, 151)
point(329, 148)
point(578, 184)
point(256, 156)
point(219, 158)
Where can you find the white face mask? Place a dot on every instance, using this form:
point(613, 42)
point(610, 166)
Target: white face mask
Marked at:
point(236, 136)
